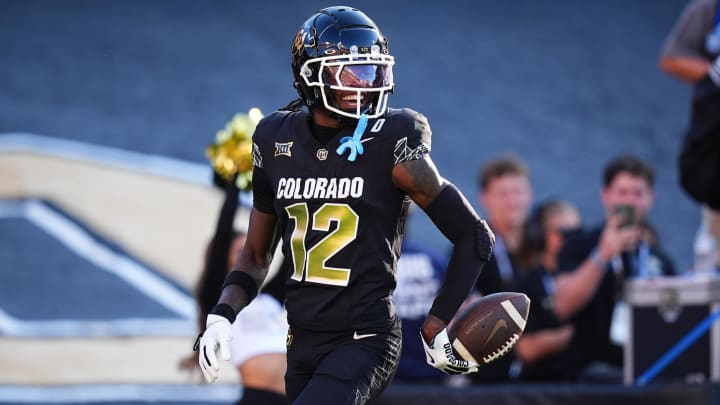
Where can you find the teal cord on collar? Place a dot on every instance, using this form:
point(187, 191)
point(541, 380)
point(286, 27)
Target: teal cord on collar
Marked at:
point(353, 143)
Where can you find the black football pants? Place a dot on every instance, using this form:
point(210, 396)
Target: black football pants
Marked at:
point(334, 369)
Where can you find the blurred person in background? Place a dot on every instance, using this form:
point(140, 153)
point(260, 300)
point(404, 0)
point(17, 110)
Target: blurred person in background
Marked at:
point(258, 335)
point(593, 263)
point(688, 54)
point(693, 43)
point(542, 353)
point(506, 196)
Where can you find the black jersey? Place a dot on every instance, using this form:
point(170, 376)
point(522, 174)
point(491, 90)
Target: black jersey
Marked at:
point(341, 221)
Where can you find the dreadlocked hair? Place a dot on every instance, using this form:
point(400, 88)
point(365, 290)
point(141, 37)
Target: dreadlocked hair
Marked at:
point(294, 105)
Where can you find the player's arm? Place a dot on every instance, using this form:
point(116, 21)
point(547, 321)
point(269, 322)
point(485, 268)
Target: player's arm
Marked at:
point(240, 287)
point(253, 260)
point(472, 246)
point(216, 264)
point(242, 284)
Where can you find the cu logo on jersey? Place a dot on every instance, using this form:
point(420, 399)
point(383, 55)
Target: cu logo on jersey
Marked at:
point(321, 154)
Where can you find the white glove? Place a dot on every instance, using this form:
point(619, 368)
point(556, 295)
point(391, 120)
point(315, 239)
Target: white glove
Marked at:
point(441, 355)
point(217, 334)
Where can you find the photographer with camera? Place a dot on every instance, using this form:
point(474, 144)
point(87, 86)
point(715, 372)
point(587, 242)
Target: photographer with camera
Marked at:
point(594, 263)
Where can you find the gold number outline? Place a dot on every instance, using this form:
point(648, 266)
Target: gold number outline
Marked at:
point(311, 264)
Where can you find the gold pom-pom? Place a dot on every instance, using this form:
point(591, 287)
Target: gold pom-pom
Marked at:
point(231, 153)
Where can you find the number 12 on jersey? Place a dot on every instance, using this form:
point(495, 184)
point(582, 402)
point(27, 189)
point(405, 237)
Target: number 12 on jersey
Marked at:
point(311, 263)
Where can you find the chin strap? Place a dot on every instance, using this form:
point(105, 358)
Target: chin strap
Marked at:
point(353, 143)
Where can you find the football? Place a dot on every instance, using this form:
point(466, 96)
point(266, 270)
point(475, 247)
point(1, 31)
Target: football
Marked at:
point(489, 327)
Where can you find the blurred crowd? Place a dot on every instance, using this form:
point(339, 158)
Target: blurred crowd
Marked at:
point(574, 273)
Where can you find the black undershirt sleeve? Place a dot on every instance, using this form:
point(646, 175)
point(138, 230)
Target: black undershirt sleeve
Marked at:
point(472, 246)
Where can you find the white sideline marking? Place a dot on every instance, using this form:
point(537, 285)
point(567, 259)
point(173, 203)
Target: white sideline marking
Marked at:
point(227, 393)
point(514, 314)
point(84, 245)
point(80, 242)
point(11, 326)
point(103, 155)
point(176, 169)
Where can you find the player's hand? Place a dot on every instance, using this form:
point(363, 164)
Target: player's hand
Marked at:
point(217, 335)
point(440, 354)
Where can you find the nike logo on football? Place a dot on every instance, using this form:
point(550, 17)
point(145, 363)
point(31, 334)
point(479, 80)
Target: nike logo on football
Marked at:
point(498, 325)
point(367, 335)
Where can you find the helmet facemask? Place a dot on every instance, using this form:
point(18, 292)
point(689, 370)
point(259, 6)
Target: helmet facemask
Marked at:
point(352, 84)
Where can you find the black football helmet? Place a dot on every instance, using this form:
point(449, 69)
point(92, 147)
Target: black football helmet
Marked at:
point(341, 62)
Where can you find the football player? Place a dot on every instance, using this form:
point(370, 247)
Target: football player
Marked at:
point(333, 176)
